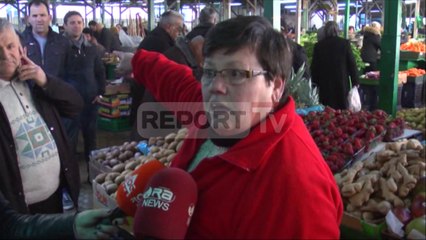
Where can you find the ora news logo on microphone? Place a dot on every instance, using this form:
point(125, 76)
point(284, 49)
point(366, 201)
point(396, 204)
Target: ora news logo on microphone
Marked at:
point(158, 197)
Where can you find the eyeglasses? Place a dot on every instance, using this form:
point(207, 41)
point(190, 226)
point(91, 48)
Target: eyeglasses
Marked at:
point(231, 76)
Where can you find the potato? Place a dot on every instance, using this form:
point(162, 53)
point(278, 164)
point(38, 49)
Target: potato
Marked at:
point(111, 176)
point(113, 162)
point(118, 167)
point(122, 157)
point(159, 138)
point(100, 178)
point(118, 180)
point(170, 137)
point(111, 188)
point(128, 154)
point(180, 137)
point(179, 145)
point(170, 157)
point(158, 155)
point(130, 147)
point(167, 152)
point(163, 159)
point(100, 155)
point(165, 145)
point(154, 149)
point(152, 141)
point(172, 145)
point(106, 183)
point(137, 154)
point(182, 131)
point(131, 166)
point(160, 142)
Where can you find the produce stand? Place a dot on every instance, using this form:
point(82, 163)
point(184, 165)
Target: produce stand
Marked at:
point(114, 107)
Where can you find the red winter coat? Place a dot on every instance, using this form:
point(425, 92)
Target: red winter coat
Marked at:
point(269, 185)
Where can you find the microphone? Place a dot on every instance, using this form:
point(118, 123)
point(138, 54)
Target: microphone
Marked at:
point(167, 207)
point(130, 191)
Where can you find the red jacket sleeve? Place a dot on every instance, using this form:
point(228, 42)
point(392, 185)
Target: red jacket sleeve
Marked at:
point(165, 79)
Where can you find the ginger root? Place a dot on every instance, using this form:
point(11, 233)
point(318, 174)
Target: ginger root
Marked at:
point(414, 144)
point(350, 189)
point(396, 146)
point(382, 207)
point(388, 195)
point(358, 199)
point(409, 181)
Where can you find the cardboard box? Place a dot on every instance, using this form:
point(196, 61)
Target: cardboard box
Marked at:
point(112, 89)
point(100, 197)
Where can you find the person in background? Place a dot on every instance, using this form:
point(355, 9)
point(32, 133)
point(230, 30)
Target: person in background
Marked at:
point(102, 35)
point(371, 46)
point(251, 167)
point(299, 54)
point(164, 35)
point(184, 51)
point(87, 75)
point(89, 224)
point(35, 160)
point(334, 68)
point(49, 50)
point(159, 40)
point(88, 35)
point(207, 19)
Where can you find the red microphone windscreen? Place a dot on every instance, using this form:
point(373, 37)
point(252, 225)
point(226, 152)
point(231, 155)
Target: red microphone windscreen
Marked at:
point(168, 204)
point(130, 191)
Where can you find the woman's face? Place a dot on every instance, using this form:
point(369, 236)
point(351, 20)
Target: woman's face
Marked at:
point(237, 100)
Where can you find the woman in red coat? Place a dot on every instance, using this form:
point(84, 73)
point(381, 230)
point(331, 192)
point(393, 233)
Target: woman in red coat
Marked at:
point(258, 171)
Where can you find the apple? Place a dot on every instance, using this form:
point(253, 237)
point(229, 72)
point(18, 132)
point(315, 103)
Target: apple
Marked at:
point(418, 205)
point(420, 186)
point(418, 224)
point(402, 213)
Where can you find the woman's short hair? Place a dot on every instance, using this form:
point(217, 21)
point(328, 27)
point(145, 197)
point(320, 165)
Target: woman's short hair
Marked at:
point(271, 48)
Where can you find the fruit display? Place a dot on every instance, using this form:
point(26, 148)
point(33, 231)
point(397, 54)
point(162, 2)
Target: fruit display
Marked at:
point(414, 118)
point(413, 46)
point(415, 72)
point(121, 161)
point(390, 180)
point(303, 92)
point(341, 134)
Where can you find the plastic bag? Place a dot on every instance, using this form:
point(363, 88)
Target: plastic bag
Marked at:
point(354, 101)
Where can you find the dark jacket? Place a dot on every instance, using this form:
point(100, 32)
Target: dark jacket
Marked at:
point(86, 71)
point(333, 66)
point(158, 41)
point(54, 60)
point(58, 99)
point(199, 30)
point(299, 58)
point(40, 226)
point(182, 54)
point(370, 45)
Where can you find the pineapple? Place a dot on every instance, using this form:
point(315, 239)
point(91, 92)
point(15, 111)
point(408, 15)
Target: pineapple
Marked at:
point(301, 89)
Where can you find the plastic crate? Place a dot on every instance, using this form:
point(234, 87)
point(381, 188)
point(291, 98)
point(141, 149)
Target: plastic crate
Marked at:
point(413, 95)
point(407, 64)
point(114, 124)
point(408, 55)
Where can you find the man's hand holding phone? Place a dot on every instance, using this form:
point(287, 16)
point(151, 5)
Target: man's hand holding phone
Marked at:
point(31, 71)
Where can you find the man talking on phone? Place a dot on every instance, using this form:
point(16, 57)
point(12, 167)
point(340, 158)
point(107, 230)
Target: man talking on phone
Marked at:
point(35, 161)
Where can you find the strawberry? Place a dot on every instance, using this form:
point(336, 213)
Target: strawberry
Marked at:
point(315, 124)
point(348, 149)
point(338, 132)
point(379, 129)
point(357, 144)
